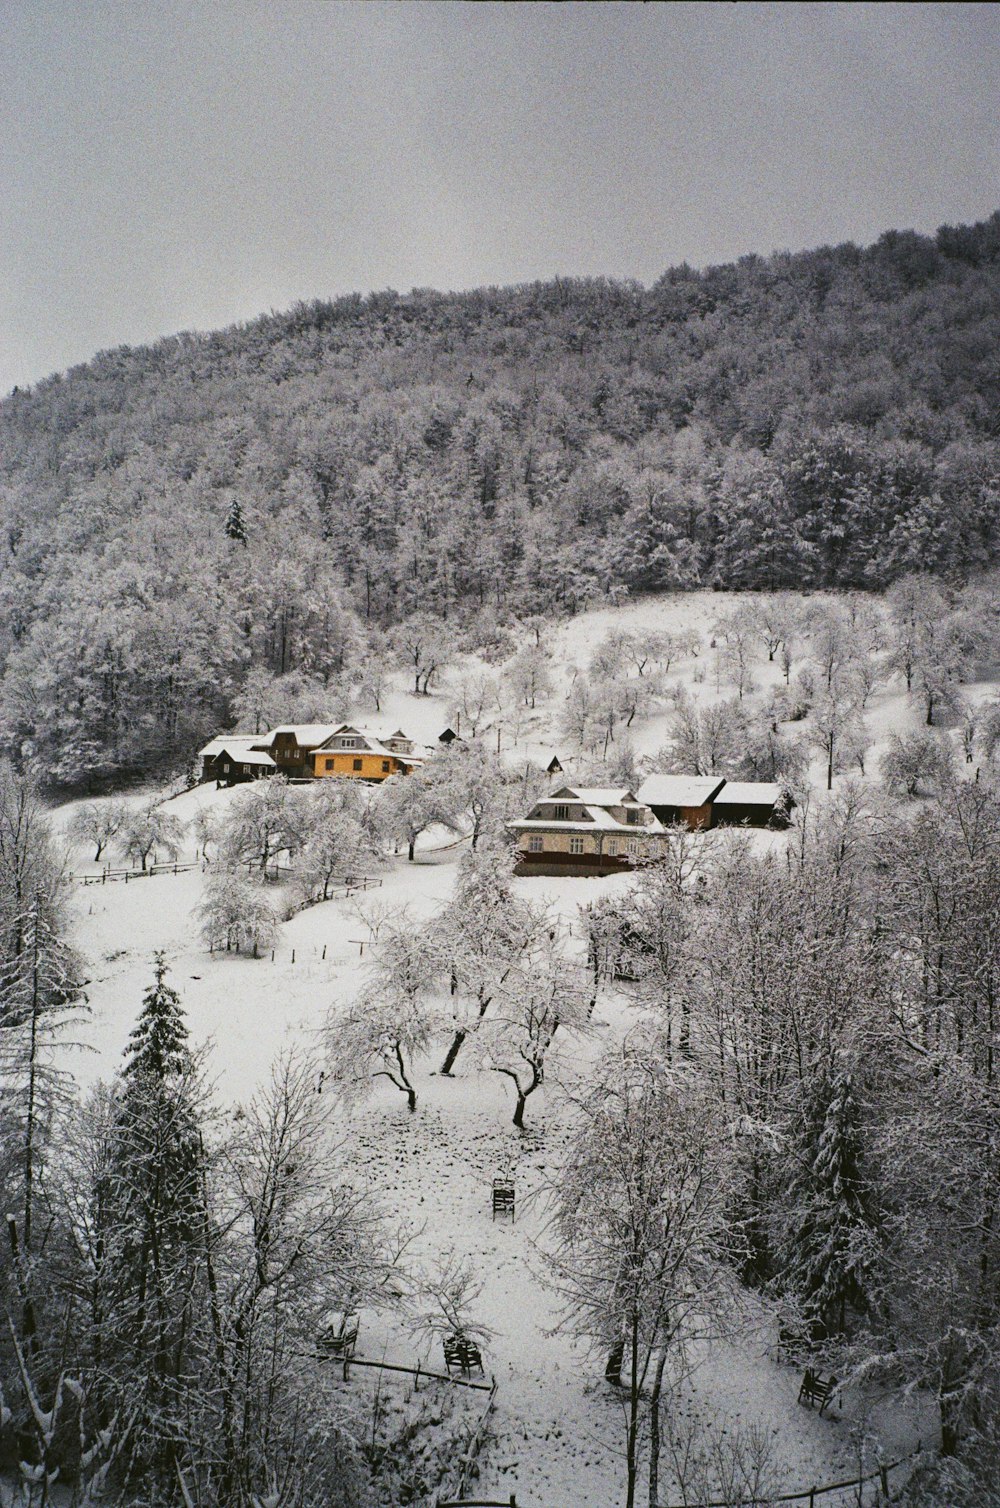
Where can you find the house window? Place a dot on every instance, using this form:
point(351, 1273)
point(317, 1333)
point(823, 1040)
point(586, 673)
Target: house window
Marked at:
point(576, 845)
point(385, 767)
point(632, 844)
point(631, 816)
point(225, 769)
point(348, 743)
point(535, 843)
point(612, 846)
point(562, 813)
point(330, 764)
point(359, 764)
point(246, 769)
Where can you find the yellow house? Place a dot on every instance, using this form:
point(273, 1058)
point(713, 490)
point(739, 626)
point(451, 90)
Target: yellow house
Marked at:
point(362, 755)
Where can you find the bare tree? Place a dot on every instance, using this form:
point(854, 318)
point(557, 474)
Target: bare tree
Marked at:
point(638, 1230)
point(148, 831)
point(97, 822)
point(392, 1022)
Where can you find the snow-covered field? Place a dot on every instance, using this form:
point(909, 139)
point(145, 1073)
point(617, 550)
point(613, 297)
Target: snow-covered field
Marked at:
point(558, 1426)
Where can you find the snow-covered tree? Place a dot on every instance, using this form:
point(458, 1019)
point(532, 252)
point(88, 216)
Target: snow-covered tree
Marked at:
point(393, 1020)
point(408, 805)
point(830, 1237)
point(539, 994)
point(97, 822)
point(527, 675)
point(147, 832)
point(912, 760)
point(639, 1229)
point(482, 933)
point(236, 915)
point(264, 820)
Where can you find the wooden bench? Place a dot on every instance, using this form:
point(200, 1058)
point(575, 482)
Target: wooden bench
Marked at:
point(462, 1355)
point(503, 1197)
point(817, 1389)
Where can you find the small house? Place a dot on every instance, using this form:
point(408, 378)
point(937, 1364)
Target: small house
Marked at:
point(361, 754)
point(449, 736)
point(682, 798)
point(750, 803)
point(586, 830)
point(231, 759)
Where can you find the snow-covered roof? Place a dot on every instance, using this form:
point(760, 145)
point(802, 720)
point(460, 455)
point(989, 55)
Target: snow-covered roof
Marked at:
point(679, 790)
point(306, 734)
point(241, 755)
point(748, 793)
point(600, 821)
point(227, 741)
point(373, 744)
point(596, 795)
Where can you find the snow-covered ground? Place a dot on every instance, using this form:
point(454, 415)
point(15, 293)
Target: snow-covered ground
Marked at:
point(558, 1425)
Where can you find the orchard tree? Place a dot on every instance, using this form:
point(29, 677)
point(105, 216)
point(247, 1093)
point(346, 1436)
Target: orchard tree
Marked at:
point(148, 831)
point(408, 805)
point(392, 1022)
point(236, 915)
point(913, 760)
point(527, 675)
point(97, 822)
point(482, 934)
point(542, 992)
point(424, 646)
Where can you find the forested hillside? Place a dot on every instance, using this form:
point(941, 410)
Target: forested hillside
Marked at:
point(184, 522)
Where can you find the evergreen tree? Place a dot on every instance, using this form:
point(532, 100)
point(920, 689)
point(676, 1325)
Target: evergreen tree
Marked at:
point(830, 1234)
point(235, 523)
point(150, 1217)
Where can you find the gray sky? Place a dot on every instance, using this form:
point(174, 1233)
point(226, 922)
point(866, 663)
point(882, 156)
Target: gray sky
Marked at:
point(168, 165)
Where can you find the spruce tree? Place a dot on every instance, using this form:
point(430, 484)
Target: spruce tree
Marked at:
point(149, 1203)
point(235, 523)
point(830, 1232)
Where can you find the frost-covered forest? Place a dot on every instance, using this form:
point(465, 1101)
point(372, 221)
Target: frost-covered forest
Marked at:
point(293, 500)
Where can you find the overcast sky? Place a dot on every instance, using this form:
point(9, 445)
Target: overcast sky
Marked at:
point(168, 165)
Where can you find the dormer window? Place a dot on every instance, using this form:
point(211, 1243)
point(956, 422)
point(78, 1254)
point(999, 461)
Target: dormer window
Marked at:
point(562, 814)
point(631, 816)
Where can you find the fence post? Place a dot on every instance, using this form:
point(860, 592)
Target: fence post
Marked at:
point(812, 1497)
point(883, 1473)
point(324, 953)
point(293, 955)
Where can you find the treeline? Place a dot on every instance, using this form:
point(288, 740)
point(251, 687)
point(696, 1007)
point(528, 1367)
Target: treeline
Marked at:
point(178, 516)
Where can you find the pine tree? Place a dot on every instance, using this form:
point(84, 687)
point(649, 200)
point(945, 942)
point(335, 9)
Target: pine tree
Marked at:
point(158, 1043)
point(235, 523)
point(829, 1247)
point(148, 1206)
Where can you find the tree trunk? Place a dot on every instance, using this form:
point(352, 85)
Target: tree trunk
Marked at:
point(453, 1052)
point(410, 849)
point(519, 1110)
point(654, 1433)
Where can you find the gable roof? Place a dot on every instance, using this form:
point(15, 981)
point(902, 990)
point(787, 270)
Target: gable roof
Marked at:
point(227, 741)
point(680, 790)
point(248, 756)
point(748, 793)
point(372, 741)
point(599, 795)
point(306, 734)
